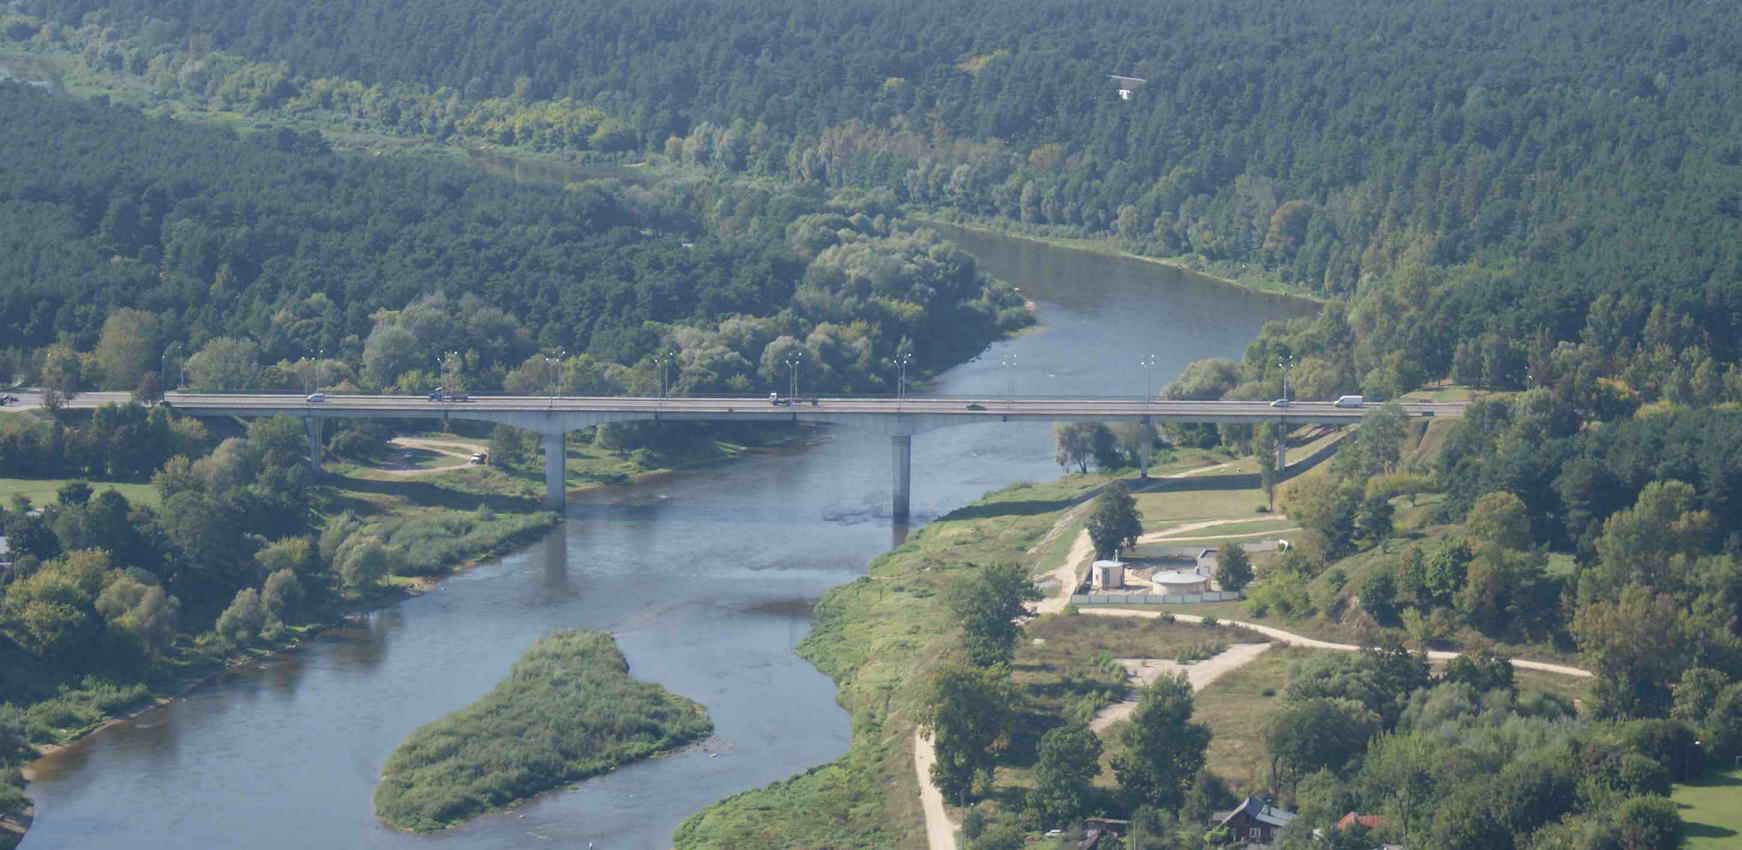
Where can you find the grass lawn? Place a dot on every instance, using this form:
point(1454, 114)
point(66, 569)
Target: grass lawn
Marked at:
point(1065, 656)
point(1711, 810)
point(1237, 706)
point(1160, 508)
point(1440, 392)
point(41, 491)
point(1571, 687)
point(1069, 675)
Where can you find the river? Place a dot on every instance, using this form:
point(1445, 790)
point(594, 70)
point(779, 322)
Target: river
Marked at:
point(706, 578)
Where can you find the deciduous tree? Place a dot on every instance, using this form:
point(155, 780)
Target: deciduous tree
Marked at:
point(1160, 749)
point(968, 714)
point(1114, 522)
point(1065, 772)
point(1233, 568)
point(987, 604)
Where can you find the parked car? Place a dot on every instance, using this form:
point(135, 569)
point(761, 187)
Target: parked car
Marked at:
point(479, 458)
point(316, 398)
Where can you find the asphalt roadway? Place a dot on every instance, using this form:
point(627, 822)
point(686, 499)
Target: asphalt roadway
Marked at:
point(688, 407)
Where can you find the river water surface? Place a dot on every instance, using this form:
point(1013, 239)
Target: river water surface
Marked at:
point(706, 578)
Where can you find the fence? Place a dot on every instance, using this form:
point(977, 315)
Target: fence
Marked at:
point(1152, 598)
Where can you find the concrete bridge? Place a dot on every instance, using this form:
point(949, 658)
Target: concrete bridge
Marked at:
point(898, 418)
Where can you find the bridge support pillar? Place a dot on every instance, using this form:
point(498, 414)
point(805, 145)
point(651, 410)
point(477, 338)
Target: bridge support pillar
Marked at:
point(555, 470)
point(311, 425)
point(1281, 450)
point(903, 457)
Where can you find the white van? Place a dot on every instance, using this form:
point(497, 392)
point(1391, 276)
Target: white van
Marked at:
point(1351, 401)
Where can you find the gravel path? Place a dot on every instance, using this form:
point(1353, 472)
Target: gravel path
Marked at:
point(1293, 639)
point(940, 832)
point(1144, 671)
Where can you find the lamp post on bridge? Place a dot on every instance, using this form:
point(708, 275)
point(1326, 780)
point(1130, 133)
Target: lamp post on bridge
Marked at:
point(660, 361)
point(793, 360)
point(164, 366)
point(314, 373)
point(554, 365)
point(1008, 361)
point(1149, 362)
point(1285, 362)
point(901, 362)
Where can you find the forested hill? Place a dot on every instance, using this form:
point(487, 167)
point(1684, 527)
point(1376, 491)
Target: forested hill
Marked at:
point(1470, 172)
point(293, 252)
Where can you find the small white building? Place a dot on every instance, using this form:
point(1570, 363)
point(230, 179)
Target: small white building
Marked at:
point(1106, 574)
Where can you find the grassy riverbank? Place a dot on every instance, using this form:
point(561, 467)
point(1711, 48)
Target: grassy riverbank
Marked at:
point(568, 710)
point(879, 637)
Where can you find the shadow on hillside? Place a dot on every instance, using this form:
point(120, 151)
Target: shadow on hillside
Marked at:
point(1022, 508)
point(425, 494)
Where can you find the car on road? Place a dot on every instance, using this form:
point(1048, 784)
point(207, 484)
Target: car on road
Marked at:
point(1281, 402)
point(316, 398)
point(479, 459)
point(1351, 401)
point(437, 394)
point(974, 405)
point(459, 397)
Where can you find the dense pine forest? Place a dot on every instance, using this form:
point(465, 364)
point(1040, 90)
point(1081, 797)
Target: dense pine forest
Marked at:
point(1461, 169)
point(125, 233)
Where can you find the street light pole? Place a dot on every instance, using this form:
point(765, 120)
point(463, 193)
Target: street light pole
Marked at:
point(1284, 363)
point(1149, 362)
point(901, 361)
point(792, 362)
point(1008, 360)
point(314, 380)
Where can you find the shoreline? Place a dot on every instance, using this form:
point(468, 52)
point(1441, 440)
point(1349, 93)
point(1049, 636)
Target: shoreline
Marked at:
point(1105, 248)
point(386, 597)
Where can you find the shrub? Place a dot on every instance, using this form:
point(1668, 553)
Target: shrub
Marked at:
point(240, 623)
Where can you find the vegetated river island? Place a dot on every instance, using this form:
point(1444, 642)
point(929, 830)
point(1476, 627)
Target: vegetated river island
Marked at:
point(569, 710)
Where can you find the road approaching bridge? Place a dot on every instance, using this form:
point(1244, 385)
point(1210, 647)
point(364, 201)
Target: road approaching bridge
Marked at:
point(898, 418)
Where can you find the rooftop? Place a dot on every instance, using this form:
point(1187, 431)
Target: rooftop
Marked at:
point(1260, 811)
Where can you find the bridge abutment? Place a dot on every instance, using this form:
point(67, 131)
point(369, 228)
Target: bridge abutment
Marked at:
point(903, 457)
point(556, 470)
